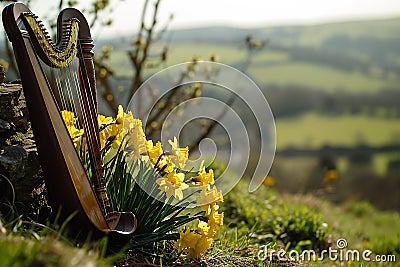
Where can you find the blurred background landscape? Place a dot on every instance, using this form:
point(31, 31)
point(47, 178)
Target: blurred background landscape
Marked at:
point(333, 89)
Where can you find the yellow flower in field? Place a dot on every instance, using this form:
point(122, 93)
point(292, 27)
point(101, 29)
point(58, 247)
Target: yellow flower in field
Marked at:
point(330, 175)
point(114, 130)
point(178, 156)
point(204, 178)
point(209, 197)
point(176, 178)
point(120, 115)
point(107, 126)
point(135, 137)
point(70, 122)
point(173, 185)
point(103, 139)
point(111, 132)
point(165, 164)
point(269, 181)
point(203, 228)
point(103, 120)
point(187, 239)
point(124, 126)
point(194, 243)
point(202, 245)
point(69, 118)
point(154, 151)
point(76, 135)
point(215, 220)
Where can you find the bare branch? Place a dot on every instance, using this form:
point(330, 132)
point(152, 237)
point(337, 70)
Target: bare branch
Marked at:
point(208, 128)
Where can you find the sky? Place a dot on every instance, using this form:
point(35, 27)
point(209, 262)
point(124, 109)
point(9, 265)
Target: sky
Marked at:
point(248, 13)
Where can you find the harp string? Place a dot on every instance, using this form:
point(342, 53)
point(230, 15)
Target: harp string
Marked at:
point(90, 109)
point(73, 96)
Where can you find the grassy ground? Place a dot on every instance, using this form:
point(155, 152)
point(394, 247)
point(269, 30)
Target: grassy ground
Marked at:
point(253, 222)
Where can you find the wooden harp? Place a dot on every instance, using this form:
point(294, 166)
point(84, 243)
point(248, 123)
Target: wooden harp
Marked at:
point(66, 179)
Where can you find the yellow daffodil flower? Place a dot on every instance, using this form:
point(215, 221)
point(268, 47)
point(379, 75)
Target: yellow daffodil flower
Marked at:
point(209, 197)
point(135, 137)
point(173, 185)
point(165, 164)
point(178, 156)
point(69, 118)
point(269, 181)
point(120, 115)
point(70, 122)
point(103, 120)
point(187, 239)
point(194, 243)
point(203, 228)
point(154, 151)
point(215, 220)
point(202, 245)
point(204, 178)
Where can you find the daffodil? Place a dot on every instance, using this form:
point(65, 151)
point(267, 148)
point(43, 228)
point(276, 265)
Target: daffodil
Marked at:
point(103, 120)
point(215, 220)
point(202, 245)
point(70, 122)
point(120, 115)
point(178, 156)
point(269, 181)
point(154, 151)
point(164, 163)
point(187, 240)
point(173, 185)
point(111, 133)
point(69, 118)
point(135, 137)
point(203, 228)
point(193, 243)
point(127, 131)
point(209, 197)
point(204, 178)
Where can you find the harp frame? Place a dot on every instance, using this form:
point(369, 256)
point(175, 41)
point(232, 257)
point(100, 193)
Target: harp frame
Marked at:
point(66, 179)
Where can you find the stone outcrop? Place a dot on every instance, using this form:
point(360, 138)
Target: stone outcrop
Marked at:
point(21, 182)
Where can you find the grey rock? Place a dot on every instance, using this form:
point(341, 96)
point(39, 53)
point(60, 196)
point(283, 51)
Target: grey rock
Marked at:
point(13, 160)
point(9, 101)
point(21, 181)
point(5, 127)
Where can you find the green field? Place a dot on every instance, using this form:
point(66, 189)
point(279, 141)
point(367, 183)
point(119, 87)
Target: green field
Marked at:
point(312, 130)
point(315, 76)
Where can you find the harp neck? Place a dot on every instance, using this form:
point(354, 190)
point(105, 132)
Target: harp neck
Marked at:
point(56, 55)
